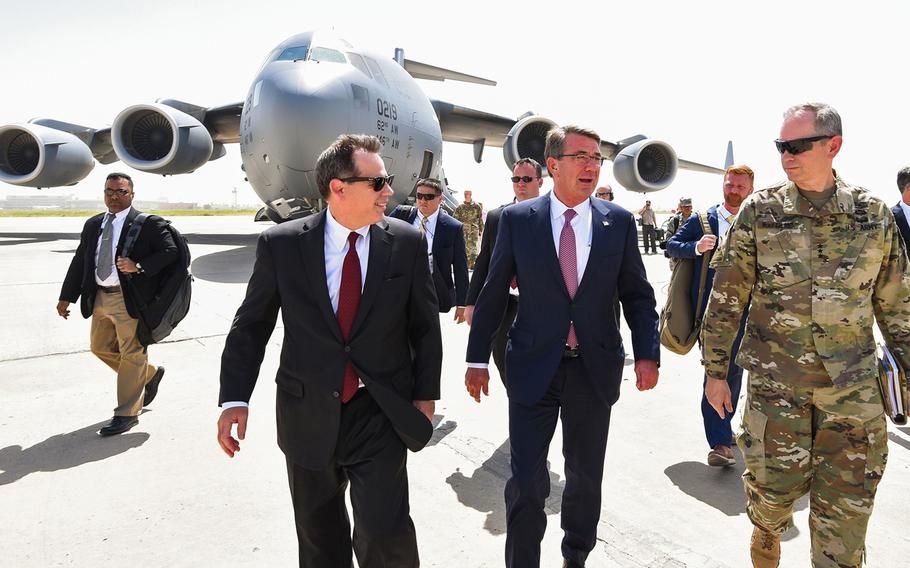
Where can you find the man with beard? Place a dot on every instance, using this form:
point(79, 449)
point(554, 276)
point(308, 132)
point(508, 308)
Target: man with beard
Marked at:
point(692, 242)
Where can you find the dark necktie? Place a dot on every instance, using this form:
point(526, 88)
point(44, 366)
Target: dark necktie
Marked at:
point(568, 262)
point(348, 301)
point(106, 252)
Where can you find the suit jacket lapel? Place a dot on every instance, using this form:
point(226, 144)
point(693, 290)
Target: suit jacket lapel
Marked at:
point(601, 225)
point(127, 223)
point(543, 230)
point(380, 253)
point(713, 214)
point(312, 250)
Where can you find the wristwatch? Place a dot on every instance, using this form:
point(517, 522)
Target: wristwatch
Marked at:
point(139, 268)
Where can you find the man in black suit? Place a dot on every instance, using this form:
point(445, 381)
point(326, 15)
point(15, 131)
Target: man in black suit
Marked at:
point(901, 211)
point(445, 245)
point(526, 181)
point(110, 285)
point(571, 255)
point(360, 361)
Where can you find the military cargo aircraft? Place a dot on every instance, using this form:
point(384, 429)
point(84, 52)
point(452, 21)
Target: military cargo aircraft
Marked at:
point(311, 88)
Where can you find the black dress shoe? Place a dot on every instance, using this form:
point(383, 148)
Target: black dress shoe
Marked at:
point(151, 388)
point(118, 425)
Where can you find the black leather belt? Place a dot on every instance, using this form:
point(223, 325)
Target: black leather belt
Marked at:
point(571, 352)
point(109, 289)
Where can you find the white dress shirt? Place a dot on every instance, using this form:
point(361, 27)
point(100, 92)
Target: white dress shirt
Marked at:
point(723, 227)
point(581, 225)
point(119, 218)
point(431, 232)
point(336, 248)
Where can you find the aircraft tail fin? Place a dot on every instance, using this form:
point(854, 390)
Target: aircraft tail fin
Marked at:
point(728, 161)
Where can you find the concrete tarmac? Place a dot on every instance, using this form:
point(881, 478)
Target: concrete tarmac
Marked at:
point(164, 494)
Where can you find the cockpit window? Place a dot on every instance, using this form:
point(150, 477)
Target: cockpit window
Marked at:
point(294, 53)
point(325, 54)
point(377, 72)
point(358, 62)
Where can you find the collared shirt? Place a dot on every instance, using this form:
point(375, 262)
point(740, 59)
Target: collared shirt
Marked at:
point(431, 231)
point(723, 227)
point(119, 219)
point(336, 248)
point(581, 224)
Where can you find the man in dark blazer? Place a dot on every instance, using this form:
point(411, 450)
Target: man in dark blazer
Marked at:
point(571, 254)
point(360, 361)
point(526, 181)
point(110, 286)
point(901, 210)
point(445, 245)
point(690, 241)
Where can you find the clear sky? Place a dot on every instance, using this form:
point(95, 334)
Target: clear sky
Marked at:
point(693, 74)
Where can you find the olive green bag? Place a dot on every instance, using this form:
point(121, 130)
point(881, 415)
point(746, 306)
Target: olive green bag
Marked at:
point(680, 321)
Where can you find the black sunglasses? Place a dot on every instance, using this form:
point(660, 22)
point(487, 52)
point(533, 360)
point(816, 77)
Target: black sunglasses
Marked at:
point(603, 194)
point(799, 145)
point(426, 196)
point(121, 192)
point(526, 179)
point(378, 181)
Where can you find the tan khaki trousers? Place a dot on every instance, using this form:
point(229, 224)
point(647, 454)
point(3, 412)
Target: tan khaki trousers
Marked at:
point(115, 342)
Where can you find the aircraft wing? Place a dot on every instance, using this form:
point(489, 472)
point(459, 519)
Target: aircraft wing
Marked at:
point(524, 136)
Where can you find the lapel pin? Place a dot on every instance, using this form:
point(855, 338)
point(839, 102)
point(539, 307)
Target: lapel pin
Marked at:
point(606, 223)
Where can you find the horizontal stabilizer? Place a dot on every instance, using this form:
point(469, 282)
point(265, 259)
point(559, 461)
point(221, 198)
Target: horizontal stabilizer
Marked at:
point(431, 72)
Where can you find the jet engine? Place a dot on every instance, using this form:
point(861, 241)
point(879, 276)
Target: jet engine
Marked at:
point(32, 155)
point(645, 166)
point(527, 139)
point(160, 139)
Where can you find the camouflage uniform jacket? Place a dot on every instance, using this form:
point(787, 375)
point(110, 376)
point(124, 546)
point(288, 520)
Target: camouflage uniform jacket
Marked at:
point(674, 223)
point(471, 215)
point(816, 278)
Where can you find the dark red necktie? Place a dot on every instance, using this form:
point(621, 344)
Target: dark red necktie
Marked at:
point(348, 301)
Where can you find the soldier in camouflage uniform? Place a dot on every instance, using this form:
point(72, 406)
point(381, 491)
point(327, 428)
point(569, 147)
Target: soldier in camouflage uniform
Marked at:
point(672, 225)
point(470, 213)
point(820, 259)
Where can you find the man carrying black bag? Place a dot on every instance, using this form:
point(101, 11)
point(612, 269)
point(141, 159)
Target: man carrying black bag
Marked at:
point(110, 285)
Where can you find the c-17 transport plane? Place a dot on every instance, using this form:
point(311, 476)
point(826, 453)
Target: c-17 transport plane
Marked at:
point(311, 88)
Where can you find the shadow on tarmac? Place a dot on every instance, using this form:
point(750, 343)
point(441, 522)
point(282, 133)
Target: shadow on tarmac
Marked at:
point(895, 439)
point(719, 487)
point(234, 266)
point(440, 432)
point(484, 490)
point(64, 451)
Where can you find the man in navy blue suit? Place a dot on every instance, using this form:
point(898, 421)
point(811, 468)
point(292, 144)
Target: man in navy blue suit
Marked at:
point(570, 255)
point(901, 211)
point(445, 245)
point(691, 242)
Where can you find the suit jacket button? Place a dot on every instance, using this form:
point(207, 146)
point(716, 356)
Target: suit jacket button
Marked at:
point(347, 348)
point(336, 394)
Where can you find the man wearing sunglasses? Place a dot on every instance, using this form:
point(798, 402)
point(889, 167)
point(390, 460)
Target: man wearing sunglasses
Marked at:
point(527, 177)
point(445, 245)
point(571, 254)
point(360, 361)
point(111, 287)
point(605, 192)
point(815, 260)
point(648, 228)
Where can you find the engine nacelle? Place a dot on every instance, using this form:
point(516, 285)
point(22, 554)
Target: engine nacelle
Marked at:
point(32, 155)
point(527, 139)
point(160, 139)
point(648, 165)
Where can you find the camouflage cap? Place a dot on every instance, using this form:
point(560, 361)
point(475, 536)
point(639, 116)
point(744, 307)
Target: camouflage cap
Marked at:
point(685, 202)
